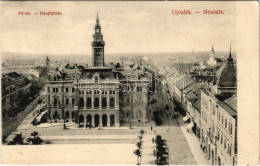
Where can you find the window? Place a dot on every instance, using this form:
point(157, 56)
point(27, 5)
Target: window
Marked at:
point(81, 102)
point(55, 101)
point(53, 90)
point(225, 123)
point(67, 90)
point(230, 128)
point(72, 89)
point(48, 89)
point(96, 102)
point(73, 101)
point(89, 101)
point(112, 102)
point(57, 90)
point(104, 102)
point(67, 101)
point(96, 79)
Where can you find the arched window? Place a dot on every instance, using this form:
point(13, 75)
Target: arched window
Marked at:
point(89, 102)
point(96, 102)
point(55, 115)
point(67, 101)
point(96, 79)
point(112, 102)
point(81, 102)
point(104, 102)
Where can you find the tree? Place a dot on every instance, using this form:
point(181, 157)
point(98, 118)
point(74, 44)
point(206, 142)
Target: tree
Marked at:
point(139, 145)
point(157, 119)
point(36, 140)
point(137, 152)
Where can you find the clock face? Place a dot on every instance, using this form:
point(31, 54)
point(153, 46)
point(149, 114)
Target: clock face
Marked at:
point(97, 30)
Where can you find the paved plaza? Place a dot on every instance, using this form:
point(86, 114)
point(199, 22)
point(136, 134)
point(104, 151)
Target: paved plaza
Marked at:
point(183, 146)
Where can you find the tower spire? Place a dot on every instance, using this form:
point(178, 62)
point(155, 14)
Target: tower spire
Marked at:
point(230, 59)
point(97, 21)
point(212, 49)
point(230, 51)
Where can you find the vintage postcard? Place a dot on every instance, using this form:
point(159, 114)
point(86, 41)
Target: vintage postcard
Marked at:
point(130, 83)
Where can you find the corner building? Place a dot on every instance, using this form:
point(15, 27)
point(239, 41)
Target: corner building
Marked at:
point(99, 95)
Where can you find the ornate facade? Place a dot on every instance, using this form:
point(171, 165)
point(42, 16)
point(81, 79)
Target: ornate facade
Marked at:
point(100, 95)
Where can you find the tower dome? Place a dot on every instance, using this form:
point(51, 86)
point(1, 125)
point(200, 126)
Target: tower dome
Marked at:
point(226, 76)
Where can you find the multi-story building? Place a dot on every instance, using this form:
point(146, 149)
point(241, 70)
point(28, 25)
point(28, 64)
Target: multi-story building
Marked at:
point(219, 117)
point(98, 95)
point(218, 129)
point(14, 87)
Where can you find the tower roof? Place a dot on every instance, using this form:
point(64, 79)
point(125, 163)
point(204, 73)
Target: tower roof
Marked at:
point(226, 76)
point(47, 59)
point(97, 20)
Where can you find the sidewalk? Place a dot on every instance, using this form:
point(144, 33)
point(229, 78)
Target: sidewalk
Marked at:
point(194, 145)
point(147, 152)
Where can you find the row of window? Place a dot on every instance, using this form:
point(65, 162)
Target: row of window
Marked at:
point(67, 102)
point(227, 125)
point(97, 92)
point(97, 102)
point(56, 115)
point(225, 145)
point(221, 119)
point(89, 102)
point(56, 90)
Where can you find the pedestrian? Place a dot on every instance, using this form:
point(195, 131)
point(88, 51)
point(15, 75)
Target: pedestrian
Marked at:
point(151, 128)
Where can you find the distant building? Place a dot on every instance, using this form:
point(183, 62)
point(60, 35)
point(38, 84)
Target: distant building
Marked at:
point(211, 62)
point(38, 74)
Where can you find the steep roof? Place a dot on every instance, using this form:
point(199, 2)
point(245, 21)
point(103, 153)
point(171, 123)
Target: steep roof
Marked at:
point(226, 75)
point(232, 102)
point(184, 82)
point(227, 108)
point(194, 93)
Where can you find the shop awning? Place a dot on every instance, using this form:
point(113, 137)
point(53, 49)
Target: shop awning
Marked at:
point(190, 125)
point(185, 118)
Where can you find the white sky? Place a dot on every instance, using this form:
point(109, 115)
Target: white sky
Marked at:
point(128, 27)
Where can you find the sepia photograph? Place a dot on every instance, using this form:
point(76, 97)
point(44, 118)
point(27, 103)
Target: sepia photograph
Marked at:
point(124, 83)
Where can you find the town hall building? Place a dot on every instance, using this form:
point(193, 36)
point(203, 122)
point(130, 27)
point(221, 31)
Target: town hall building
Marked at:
point(99, 95)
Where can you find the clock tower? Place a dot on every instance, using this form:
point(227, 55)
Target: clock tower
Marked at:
point(98, 46)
